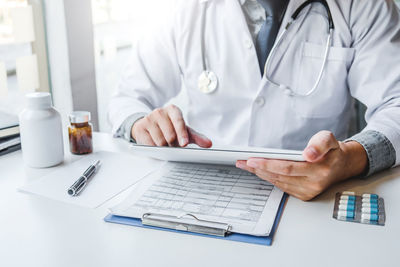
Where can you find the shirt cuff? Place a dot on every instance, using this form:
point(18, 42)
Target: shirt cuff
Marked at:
point(125, 129)
point(380, 151)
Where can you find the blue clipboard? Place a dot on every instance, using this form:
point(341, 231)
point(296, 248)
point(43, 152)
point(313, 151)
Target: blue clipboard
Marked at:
point(259, 240)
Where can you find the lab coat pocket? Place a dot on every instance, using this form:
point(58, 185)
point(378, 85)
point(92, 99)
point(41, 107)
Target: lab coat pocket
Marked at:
point(331, 95)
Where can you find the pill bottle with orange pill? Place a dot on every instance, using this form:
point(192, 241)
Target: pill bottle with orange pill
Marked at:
point(80, 133)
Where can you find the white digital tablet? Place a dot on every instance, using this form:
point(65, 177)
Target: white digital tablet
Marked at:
point(214, 155)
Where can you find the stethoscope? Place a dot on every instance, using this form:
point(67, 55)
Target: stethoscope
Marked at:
point(208, 80)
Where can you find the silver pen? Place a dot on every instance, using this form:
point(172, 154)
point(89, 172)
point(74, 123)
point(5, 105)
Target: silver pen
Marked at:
point(81, 183)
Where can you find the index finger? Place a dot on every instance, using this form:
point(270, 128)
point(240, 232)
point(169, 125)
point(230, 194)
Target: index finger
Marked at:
point(179, 125)
point(282, 167)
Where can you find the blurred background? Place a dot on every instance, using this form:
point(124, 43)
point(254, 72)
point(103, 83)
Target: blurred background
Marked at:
point(75, 49)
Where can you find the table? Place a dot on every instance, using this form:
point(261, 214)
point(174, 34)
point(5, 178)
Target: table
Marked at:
point(35, 231)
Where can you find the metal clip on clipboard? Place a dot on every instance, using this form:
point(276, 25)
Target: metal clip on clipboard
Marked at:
point(186, 224)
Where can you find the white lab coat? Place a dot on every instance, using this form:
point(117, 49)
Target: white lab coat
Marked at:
point(245, 110)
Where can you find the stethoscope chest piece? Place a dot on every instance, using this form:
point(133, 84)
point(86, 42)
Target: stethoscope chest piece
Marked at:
point(208, 82)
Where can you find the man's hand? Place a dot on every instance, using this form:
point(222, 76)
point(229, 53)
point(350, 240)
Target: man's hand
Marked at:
point(327, 162)
point(166, 126)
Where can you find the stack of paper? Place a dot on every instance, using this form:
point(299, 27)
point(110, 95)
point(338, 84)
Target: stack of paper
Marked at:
point(9, 133)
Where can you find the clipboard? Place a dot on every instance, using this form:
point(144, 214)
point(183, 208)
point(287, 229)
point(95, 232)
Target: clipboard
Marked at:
point(258, 240)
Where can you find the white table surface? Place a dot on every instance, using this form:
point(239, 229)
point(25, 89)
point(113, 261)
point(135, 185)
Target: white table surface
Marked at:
point(35, 231)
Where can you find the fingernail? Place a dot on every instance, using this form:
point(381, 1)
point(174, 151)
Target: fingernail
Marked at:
point(311, 152)
point(252, 164)
point(240, 165)
point(183, 141)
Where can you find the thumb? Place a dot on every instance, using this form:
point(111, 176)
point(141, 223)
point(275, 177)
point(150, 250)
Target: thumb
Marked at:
point(319, 145)
point(198, 139)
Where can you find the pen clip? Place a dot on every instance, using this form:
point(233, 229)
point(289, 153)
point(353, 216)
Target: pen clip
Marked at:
point(92, 169)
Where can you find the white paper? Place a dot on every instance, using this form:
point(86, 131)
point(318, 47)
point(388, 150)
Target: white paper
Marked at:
point(116, 173)
point(22, 18)
point(3, 80)
point(214, 193)
point(10, 143)
point(27, 73)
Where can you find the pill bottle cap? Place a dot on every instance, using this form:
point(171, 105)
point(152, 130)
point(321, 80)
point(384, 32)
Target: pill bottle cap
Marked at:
point(38, 100)
point(79, 117)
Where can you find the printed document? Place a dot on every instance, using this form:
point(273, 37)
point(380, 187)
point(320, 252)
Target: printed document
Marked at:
point(215, 193)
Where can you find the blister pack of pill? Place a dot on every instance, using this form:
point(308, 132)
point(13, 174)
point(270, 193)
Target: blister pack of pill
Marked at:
point(366, 208)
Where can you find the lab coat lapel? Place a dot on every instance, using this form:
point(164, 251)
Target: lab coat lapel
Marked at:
point(237, 21)
point(292, 33)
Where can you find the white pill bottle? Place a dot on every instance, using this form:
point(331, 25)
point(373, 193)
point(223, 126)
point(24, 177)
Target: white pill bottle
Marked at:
point(41, 132)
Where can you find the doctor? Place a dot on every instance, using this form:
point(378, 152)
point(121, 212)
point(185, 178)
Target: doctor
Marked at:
point(252, 80)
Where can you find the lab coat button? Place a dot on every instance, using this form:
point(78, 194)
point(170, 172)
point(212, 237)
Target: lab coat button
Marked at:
point(260, 101)
point(248, 43)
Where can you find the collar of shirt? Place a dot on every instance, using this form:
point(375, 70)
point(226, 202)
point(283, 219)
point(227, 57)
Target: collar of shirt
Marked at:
point(244, 1)
point(255, 16)
point(272, 7)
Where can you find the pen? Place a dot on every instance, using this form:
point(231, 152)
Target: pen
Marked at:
point(79, 184)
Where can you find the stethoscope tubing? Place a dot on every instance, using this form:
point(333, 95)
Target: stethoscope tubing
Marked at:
point(287, 90)
point(203, 37)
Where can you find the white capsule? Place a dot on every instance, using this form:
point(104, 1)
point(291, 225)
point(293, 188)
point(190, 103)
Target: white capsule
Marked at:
point(348, 193)
point(347, 207)
point(370, 205)
point(369, 217)
point(369, 210)
point(348, 197)
point(346, 214)
point(346, 202)
point(369, 200)
point(370, 196)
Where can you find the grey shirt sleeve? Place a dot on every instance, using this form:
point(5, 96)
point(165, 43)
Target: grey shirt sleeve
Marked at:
point(380, 151)
point(125, 129)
